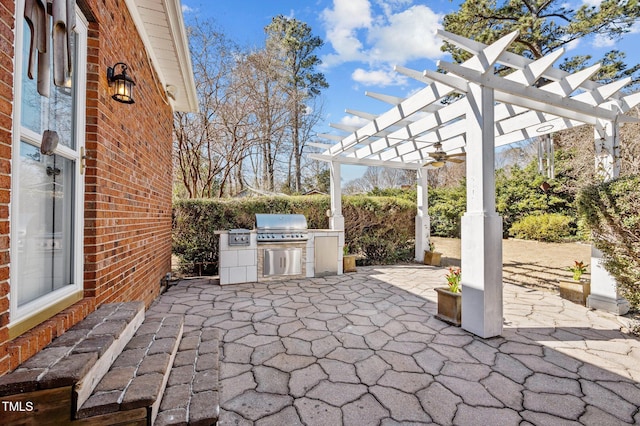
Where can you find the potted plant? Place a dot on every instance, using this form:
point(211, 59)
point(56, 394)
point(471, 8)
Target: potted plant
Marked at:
point(348, 260)
point(450, 298)
point(431, 256)
point(578, 289)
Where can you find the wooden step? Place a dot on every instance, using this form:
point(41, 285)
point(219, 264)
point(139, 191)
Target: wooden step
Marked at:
point(138, 377)
point(73, 363)
point(192, 394)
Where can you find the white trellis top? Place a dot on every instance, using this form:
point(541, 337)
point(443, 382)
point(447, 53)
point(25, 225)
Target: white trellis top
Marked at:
point(524, 107)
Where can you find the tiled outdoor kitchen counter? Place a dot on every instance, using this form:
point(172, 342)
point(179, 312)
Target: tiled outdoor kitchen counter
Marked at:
point(239, 264)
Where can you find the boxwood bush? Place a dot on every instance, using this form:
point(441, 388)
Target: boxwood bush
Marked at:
point(549, 227)
point(379, 229)
point(612, 211)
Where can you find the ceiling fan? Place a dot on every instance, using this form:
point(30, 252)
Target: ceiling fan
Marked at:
point(440, 157)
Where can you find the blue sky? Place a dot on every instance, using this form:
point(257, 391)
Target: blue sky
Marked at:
point(364, 39)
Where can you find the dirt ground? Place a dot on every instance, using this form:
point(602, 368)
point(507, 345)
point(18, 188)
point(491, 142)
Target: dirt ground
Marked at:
point(528, 263)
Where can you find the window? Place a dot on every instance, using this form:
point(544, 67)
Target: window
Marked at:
point(47, 190)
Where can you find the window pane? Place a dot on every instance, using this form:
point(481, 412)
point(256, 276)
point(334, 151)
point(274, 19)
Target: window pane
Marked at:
point(44, 220)
point(39, 113)
point(61, 106)
point(31, 113)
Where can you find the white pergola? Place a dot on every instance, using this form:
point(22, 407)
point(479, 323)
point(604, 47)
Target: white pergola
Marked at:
point(534, 99)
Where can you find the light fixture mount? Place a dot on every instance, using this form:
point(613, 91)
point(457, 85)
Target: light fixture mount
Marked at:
point(121, 84)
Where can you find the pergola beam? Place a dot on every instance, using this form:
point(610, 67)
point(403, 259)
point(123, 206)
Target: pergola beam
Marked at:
point(361, 114)
point(508, 59)
point(429, 94)
point(366, 162)
point(330, 137)
point(530, 97)
point(530, 74)
point(391, 100)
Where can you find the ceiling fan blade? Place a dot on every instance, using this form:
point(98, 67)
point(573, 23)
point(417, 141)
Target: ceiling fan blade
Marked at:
point(455, 160)
point(459, 154)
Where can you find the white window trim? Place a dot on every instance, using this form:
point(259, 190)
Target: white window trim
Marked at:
point(44, 304)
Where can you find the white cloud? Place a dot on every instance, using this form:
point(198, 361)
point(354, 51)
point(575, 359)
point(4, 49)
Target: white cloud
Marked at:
point(342, 24)
point(407, 35)
point(592, 2)
point(572, 45)
point(353, 120)
point(388, 6)
point(601, 40)
point(357, 33)
point(187, 9)
point(379, 78)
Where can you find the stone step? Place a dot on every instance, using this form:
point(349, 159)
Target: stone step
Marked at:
point(75, 361)
point(192, 393)
point(138, 376)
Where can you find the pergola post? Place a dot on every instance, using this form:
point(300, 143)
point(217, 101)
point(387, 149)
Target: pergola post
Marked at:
point(336, 220)
point(481, 225)
point(423, 221)
point(604, 293)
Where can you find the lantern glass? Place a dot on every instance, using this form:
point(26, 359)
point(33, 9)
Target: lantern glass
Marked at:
point(121, 84)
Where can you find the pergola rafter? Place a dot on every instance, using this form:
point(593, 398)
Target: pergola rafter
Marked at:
point(490, 109)
point(522, 109)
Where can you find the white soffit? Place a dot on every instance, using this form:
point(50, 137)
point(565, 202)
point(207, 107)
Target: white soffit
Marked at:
point(161, 26)
point(404, 136)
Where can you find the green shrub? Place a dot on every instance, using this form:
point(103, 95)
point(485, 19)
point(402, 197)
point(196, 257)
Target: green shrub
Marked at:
point(550, 227)
point(379, 228)
point(612, 211)
point(446, 207)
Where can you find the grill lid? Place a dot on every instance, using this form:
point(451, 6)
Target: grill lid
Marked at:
point(273, 222)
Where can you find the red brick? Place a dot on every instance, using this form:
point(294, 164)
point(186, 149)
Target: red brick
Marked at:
point(128, 178)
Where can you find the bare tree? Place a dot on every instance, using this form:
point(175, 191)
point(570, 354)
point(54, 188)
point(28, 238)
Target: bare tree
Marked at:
point(199, 143)
point(258, 80)
point(380, 178)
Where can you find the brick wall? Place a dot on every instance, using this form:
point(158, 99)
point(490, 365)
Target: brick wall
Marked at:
point(128, 190)
point(6, 111)
point(127, 249)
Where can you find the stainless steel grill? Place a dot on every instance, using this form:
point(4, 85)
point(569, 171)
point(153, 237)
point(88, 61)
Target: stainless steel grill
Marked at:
point(281, 228)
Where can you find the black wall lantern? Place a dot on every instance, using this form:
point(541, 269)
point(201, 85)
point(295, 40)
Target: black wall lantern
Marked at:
point(121, 84)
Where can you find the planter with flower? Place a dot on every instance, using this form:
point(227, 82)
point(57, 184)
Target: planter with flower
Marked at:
point(431, 256)
point(348, 260)
point(450, 298)
point(578, 289)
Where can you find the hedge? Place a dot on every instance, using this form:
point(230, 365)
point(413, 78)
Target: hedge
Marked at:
point(549, 227)
point(612, 211)
point(380, 229)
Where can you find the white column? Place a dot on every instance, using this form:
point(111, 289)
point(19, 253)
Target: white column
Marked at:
point(336, 220)
point(604, 294)
point(481, 224)
point(423, 221)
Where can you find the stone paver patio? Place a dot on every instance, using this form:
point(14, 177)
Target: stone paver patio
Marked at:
point(366, 349)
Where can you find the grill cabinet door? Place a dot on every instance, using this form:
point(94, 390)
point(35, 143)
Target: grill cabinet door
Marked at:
point(326, 256)
point(285, 261)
